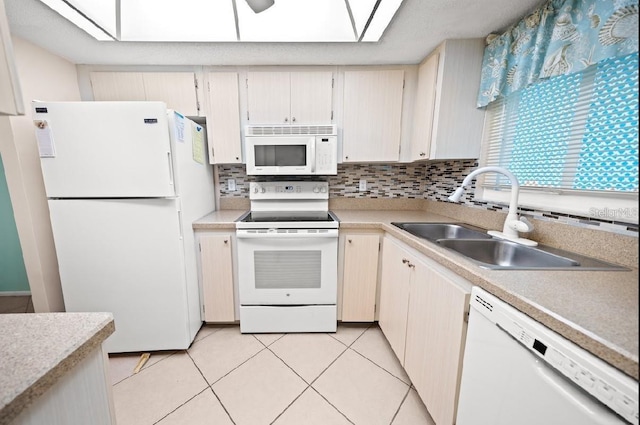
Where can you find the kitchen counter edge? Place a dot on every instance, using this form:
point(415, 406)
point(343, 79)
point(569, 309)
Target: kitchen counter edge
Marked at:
point(36, 367)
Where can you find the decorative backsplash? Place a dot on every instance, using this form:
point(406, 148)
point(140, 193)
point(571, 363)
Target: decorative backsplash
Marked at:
point(433, 180)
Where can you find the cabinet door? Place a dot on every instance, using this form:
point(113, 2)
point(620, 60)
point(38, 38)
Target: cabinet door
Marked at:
point(176, 89)
point(223, 118)
point(360, 278)
point(394, 296)
point(311, 97)
point(436, 330)
point(117, 86)
point(217, 278)
point(268, 98)
point(424, 110)
point(372, 115)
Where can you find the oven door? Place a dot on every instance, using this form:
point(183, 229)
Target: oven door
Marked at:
point(288, 266)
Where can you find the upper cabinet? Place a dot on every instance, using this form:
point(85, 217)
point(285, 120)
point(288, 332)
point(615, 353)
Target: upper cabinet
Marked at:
point(289, 98)
point(177, 89)
point(447, 124)
point(223, 118)
point(372, 115)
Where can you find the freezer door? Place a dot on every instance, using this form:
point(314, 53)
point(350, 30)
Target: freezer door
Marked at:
point(104, 149)
point(125, 257)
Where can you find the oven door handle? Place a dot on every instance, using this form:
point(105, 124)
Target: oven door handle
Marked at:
point(243, 234)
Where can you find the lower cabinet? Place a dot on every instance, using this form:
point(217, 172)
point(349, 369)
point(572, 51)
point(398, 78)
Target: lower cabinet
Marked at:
point(423, 310)
point(360, 276)
point(216, 277)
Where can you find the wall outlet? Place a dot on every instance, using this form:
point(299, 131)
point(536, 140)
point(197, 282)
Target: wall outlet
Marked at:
point(362, 186)
point(231, 185)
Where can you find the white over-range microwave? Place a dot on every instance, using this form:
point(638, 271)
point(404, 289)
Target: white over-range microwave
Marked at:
point(291, 150)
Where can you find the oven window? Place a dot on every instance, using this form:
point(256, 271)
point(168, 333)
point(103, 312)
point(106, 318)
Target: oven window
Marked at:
point(280, 155)
point(287, 269)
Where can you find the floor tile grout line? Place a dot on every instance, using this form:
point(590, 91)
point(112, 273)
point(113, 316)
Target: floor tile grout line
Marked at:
point(352, 342)
point(331, 404)
point(187, 401)
point(147, 366)
point(400, 405)
point(272, 342)
point(290, 404)
point(210, 386)
point(310, 385)
point(204, 337)
point(222, 405)
point(227, 374)
point(285, 363)
point(376, 364)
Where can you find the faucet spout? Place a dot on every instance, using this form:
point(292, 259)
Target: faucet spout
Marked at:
point(513, 223)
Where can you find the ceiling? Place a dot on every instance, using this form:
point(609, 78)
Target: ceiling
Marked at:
point(417, 28)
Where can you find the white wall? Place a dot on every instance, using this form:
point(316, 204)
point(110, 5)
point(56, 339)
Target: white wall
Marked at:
point(43, 76)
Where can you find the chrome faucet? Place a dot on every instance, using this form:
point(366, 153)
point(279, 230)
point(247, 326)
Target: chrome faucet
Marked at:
point(513, 224)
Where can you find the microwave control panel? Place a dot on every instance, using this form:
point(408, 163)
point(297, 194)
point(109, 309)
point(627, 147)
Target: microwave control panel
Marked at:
point(326, 155)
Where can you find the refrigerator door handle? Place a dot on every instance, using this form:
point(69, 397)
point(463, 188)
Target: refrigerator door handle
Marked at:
point(171, 180)
point(180, 224)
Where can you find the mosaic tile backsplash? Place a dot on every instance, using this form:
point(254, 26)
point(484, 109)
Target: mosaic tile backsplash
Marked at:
point(433, 180)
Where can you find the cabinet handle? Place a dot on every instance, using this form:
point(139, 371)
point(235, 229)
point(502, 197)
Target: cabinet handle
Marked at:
point(293, 119)
point(346, 157)
point(286, 120)
point(226, 241)
point(405, 261)
point(349, 240)
point(237, 158)
point(422, 154)
point(413, 266)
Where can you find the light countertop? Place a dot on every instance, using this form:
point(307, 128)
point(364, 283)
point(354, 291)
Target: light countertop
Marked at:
point(597, 310)
point(36, 350)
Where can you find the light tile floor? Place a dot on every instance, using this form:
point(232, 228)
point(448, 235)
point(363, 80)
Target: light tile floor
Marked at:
point(347, 377)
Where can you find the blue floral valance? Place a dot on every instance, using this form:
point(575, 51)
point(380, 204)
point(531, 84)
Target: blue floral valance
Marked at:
point(561, 37)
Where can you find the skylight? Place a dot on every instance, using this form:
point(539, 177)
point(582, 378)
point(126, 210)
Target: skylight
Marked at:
point(230, 20)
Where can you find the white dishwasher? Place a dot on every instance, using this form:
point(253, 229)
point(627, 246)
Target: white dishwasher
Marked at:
point(518, 372)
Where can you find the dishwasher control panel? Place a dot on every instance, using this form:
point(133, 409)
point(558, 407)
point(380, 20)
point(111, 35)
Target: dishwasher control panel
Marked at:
point(610, 386)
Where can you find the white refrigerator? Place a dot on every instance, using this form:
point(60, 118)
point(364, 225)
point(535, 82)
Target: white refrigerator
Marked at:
point(124, 182)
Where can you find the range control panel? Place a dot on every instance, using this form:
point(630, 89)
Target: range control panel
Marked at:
point(288, 190)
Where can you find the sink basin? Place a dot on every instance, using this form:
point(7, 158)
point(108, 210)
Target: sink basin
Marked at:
point(501, 254)
point(436, 231)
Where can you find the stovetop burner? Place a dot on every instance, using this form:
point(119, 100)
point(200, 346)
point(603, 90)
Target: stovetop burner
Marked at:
point(261, 217)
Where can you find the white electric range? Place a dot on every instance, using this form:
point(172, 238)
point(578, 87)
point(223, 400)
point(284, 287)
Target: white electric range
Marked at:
point(288, 259)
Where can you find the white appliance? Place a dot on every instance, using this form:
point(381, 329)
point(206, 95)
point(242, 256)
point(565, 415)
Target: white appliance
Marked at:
point(288, 259)
point(291, 150)
point(124, 181)
point(517, 371)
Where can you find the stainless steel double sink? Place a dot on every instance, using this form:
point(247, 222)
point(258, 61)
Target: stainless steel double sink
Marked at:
point(499, 254)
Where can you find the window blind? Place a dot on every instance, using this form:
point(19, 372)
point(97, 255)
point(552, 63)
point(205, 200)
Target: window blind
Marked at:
point(577, 132)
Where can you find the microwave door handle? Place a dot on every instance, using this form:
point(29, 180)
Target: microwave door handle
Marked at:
point(313, 156)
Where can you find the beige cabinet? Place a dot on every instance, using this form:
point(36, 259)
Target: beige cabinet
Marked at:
point(223, 118)
point(447, 124)
point(297, 98)
point(372, 115)
point(436, 331)
point(360, 277)
point(396, 273)
point(216, 277)
point(177, 89)
point(423, 309)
